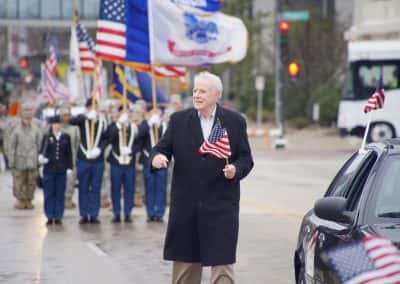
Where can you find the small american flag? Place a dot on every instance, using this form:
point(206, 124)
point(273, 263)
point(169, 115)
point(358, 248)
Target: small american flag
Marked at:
point(217, 144)
point(111, 31)
point(377, 99)
point(98, 88)
point(372, 260)
point(86, 49)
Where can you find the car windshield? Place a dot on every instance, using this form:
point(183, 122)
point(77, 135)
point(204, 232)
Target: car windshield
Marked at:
point(388, 199)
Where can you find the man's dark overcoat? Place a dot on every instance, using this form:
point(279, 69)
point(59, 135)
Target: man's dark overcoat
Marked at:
point(204, 212)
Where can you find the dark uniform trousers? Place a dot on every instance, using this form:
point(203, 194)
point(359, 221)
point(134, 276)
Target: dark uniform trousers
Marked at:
point(122, 176)
point(54, 186)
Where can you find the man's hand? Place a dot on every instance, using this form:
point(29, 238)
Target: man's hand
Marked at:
point(92, 114)
point(159, 161)
point(229, 171)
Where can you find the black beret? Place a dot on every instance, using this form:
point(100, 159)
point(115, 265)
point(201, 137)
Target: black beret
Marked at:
point(89, 102)
point(54, 119)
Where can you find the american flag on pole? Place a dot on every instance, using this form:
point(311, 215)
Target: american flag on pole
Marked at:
point(111, 31)
point(372, 260)
point(86, 49)
point(377, 99)
point(217, 144)
point(52, 89)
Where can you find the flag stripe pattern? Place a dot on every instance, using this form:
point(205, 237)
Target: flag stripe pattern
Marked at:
point(377, 99)
point(217, 144)
point(111, 31)
point(50, 69)
point(170, 71)
point(372, 260)
point(86, 49)
point(99, 80)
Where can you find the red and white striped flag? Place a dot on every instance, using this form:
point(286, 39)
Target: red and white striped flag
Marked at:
point(52, 89)
point(217, 144)
point(86, 49)
point(170, 71)
point(98, 88)
point(377, 99)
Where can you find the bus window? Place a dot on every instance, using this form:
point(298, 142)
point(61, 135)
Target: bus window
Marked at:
point(367, 74)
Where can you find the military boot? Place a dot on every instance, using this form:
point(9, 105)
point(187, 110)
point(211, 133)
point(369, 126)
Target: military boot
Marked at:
point(19, 204)
point(29, 205)
point(105, 202)
point(69, 204)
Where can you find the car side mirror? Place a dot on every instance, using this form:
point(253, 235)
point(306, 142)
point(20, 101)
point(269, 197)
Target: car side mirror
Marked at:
point(333, 209)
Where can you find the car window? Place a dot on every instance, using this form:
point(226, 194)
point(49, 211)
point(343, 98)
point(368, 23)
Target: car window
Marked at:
point(388, 198)
point(360, 178)
point(345, 176)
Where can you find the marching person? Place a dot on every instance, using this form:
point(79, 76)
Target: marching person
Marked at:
point(90, 162)
point(73, 132)
point(23, 150)
point(124, 137)
point(56, 156)
point(155, 182)
point(212, 154)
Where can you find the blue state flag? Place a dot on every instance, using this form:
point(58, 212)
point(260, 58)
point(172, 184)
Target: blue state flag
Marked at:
point(138, 85)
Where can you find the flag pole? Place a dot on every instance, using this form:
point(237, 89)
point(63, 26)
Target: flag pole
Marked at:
point(93, 105)
point(154, 99)
point(366, 132)
point(124, 105)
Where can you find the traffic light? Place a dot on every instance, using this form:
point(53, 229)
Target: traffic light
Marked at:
point(283, 40)
point(293, 69)
point(23, 63)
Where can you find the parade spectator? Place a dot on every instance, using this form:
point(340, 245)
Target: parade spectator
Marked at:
point(204, 213)
point(56, 156)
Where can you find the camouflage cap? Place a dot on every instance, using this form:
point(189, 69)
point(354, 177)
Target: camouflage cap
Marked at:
point(64, 109)
point(26, 112)
point(136, 108)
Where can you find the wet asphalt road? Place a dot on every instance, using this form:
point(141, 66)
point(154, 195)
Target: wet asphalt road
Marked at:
point(282, 186)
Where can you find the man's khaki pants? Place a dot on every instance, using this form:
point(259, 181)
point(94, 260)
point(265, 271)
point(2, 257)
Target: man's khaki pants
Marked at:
point(190, 273)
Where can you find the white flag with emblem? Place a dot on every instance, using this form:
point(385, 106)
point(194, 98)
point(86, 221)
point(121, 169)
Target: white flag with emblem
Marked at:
point(186, 36)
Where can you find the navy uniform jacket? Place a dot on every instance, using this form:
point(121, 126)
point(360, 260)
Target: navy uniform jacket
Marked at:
point(85, 125)
point(59, 153)
point(113, 134)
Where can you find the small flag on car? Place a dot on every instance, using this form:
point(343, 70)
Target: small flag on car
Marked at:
point(374, 259)
point(377, 99)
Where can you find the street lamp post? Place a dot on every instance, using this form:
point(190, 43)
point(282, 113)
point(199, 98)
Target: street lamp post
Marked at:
point(260, 85)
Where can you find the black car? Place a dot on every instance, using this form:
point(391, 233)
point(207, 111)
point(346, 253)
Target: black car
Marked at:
point(363, 199)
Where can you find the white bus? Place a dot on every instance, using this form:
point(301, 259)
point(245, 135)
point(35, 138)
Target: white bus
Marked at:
point(367, 60)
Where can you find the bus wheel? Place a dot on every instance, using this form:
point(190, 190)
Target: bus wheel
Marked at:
point(380, 131)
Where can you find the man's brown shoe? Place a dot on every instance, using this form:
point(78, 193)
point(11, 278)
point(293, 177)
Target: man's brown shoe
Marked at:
point(29, 205)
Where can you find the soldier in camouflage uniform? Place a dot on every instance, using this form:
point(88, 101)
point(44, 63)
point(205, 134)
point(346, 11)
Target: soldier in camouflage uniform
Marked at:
point(73, 132)
point(23, 151)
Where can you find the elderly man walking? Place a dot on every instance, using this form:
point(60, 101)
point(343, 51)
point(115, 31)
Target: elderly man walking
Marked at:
point(23, 151)
point(211, 151)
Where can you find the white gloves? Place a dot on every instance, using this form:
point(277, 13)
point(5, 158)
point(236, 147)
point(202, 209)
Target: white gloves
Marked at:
point(42, 160)
point(154, 120)
point(94, 153)
point(125, 151)
point(124, 118)
point(69, 172)
point(92, 114)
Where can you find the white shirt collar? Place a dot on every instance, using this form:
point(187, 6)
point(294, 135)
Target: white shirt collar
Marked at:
point(211, 116)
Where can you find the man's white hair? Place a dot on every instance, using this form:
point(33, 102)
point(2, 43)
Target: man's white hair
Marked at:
point(215, 81)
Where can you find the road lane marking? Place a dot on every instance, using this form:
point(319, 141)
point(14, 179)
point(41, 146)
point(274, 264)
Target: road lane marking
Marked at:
point(96, 249)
